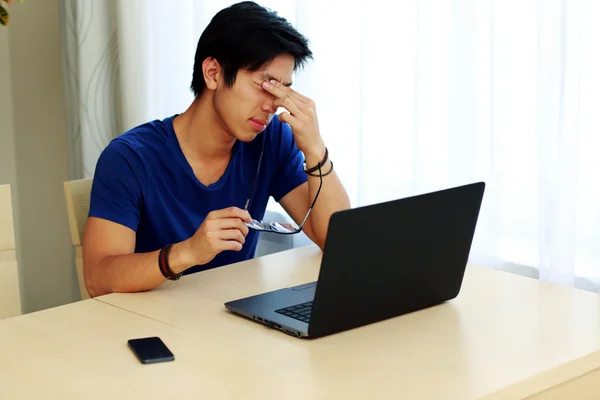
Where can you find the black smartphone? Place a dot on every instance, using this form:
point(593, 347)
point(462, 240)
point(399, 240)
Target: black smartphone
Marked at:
point(150, 350)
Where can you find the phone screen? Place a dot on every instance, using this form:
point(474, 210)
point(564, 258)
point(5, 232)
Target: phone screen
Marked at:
point(150, 350)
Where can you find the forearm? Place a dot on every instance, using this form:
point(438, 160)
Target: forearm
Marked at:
point(131, 272)
point(332, 198)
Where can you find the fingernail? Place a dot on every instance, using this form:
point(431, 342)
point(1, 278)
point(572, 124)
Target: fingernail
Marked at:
point(273, 82)
point(266, 85)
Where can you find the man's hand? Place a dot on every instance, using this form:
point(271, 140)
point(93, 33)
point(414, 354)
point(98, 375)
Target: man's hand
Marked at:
point(111, 264)
point(221, 230)
point(302, 118)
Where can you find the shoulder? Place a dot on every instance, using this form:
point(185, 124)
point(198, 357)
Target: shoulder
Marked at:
point(139, 141)
point(146, 136)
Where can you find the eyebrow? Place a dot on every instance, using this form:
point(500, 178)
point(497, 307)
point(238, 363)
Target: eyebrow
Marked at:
point(269, 77)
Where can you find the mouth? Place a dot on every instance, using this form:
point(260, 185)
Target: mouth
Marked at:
point(259, 124)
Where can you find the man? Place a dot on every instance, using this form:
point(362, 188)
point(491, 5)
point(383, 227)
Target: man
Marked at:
point(179, 195)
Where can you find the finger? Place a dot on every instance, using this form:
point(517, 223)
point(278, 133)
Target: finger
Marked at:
point(232, 234)
point(232, 212)
point(289, 105)
point(279, 88)
point(274, 89)
point(230, 245)
point(281, 91)
point(287, 118)
point(233, 223)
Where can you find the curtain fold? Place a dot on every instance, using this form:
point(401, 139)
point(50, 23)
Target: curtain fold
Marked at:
point(91, 75)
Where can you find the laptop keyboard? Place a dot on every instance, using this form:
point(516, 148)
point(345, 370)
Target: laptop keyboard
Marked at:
point(301, 312)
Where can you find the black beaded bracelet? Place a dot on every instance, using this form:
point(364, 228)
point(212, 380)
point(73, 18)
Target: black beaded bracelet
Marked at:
point(319, 165)
point(163, 264)
point(326, 173)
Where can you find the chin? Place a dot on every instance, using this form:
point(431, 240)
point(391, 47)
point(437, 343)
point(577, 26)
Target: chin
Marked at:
point(247, 136)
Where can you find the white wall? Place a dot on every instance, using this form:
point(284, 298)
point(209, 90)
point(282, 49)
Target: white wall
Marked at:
point(33, 151)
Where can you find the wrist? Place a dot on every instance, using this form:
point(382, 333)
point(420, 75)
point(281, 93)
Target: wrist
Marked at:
point(315, 155)
point(180, 257)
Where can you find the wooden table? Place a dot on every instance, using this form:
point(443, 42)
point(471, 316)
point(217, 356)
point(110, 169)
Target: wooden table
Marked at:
point(504, 336)
point(80, 351)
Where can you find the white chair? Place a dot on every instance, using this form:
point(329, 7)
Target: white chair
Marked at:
point(10, 294)
point(77, 197)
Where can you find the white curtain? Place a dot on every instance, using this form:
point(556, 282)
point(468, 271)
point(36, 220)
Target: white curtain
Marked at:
point(420, 95)
point(91, 76)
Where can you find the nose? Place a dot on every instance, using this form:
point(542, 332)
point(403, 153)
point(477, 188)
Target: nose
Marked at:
point(268, 106)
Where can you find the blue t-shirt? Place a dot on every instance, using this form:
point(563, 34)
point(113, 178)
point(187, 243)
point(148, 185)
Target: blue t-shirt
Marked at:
point(143, 181)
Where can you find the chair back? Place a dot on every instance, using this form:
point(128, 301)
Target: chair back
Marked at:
point(10, 293)
point(77, 198)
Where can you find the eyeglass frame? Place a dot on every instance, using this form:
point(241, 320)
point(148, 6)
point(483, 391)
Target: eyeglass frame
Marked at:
point(270, 225)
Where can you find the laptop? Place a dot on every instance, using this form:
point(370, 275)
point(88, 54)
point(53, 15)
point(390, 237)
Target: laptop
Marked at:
point(380, 261)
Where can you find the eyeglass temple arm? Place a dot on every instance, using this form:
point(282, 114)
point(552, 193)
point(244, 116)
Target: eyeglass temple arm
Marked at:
point(315, 199)
point(255, 176)
point(305, 218)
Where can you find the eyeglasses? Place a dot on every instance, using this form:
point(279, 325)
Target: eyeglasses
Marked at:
point(278, 227)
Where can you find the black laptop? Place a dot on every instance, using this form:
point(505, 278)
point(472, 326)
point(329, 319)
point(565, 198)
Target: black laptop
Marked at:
point(380, 261)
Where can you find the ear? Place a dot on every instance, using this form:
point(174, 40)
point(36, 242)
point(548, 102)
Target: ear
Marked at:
point(211, 69)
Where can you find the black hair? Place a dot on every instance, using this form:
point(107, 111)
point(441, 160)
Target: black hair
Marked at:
point(247, 36)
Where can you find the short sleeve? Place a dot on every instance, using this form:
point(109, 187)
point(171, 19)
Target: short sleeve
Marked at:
point(290, 165)
point(117, 186)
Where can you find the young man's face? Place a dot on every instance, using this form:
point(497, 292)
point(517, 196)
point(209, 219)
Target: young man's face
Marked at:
point(246, 108)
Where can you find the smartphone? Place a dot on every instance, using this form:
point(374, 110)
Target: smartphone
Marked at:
point(150, 350)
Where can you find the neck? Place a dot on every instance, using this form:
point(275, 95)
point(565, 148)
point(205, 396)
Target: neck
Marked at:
point(200, 132)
